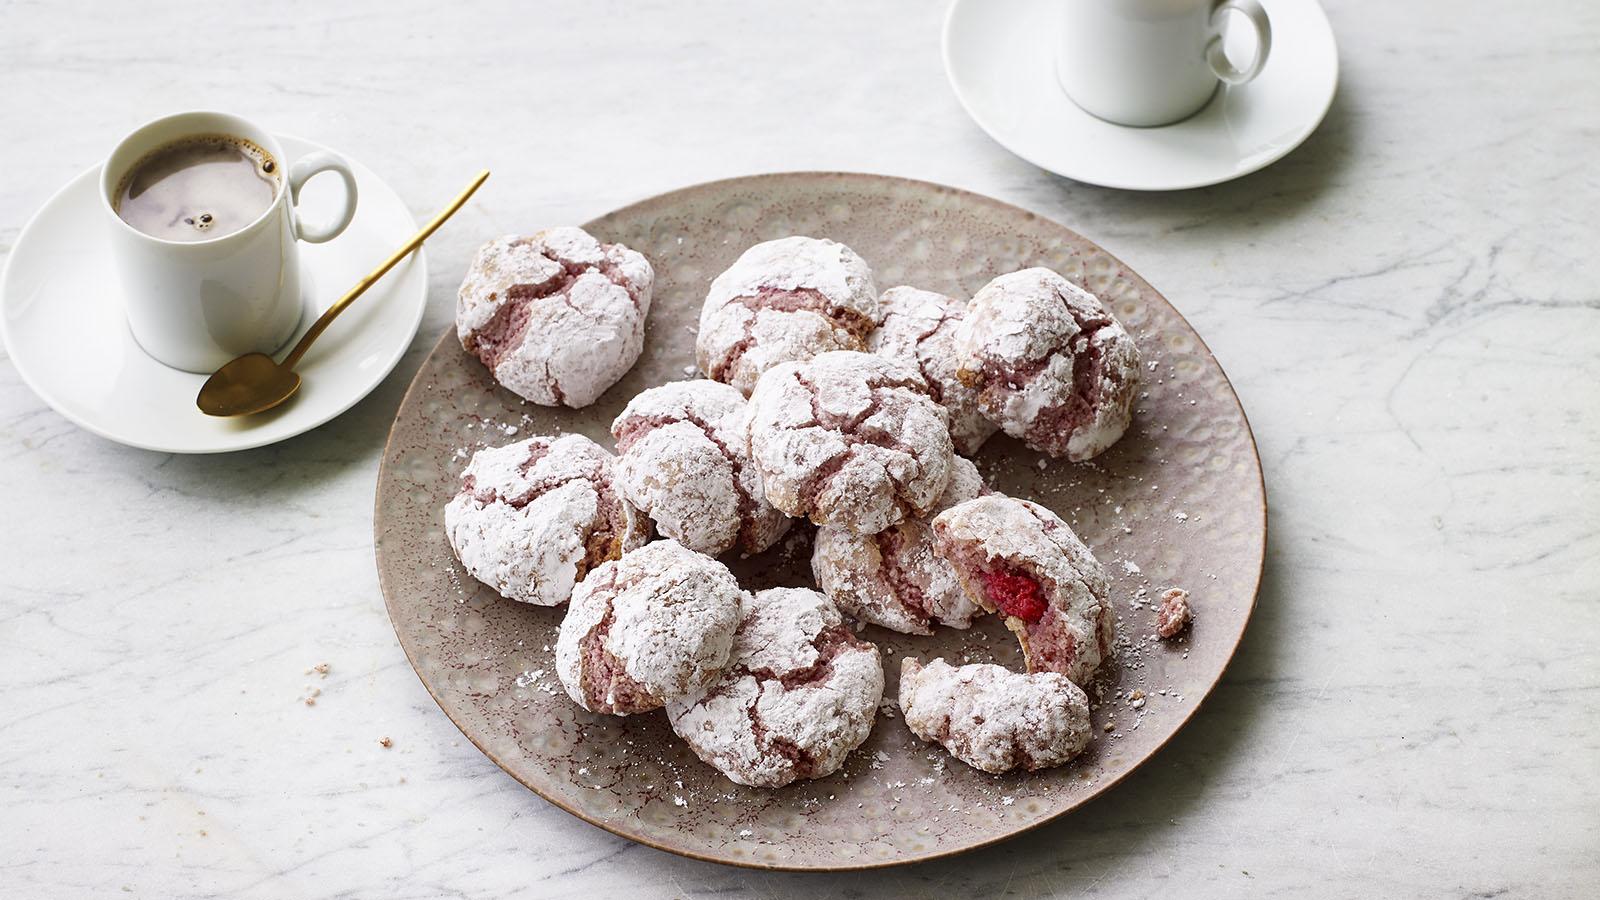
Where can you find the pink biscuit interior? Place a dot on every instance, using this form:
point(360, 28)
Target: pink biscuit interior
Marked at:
point(606, 685)
point(1015, 594)
point(1023, 598)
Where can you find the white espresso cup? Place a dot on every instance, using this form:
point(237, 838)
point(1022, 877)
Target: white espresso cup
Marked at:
point(1152, 62)
point(195, 305)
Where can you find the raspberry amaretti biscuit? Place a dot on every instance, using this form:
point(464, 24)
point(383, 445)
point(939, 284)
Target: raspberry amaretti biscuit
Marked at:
point(994, 719)
point(919, 332)
point(685, 462)
point(650, 627)
point(557, 317)
point(800, 692)
point(1018, 558)
point(1050, 364)
point(849, 439)
point(894, 578)
point(784, 301)
point(534, 517)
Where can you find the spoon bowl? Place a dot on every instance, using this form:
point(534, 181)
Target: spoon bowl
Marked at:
point(247, 385)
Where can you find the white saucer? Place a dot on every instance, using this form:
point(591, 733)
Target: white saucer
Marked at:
point(1000, 57)
point(66, 334)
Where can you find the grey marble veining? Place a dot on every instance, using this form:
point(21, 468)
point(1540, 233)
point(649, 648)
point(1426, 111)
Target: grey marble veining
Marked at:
point(1409, 306)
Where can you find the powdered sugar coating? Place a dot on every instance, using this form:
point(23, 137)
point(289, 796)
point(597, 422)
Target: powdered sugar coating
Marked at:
point(1051, 365)
point(534, 517)
point(650, 627)
point(919, 331)
point(994, 719)
point(998, 534)
point(558, 317)
point(784, 301)
point(800, 692)
point(849, 439)
point(894, 578)
point(684, 461)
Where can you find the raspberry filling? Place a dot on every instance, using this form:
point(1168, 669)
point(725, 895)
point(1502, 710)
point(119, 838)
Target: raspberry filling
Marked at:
point(1015, 594)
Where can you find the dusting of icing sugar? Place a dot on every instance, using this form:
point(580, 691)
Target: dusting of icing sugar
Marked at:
point(533, 517)
point(998, 534)
point(558, 316)
point(800, 692)
point(918, 331)
point(647, 628)
point(994, 719)
point(684, 461)
point(1051, 365)
point(784, 301)
point(849, 439)
point(894, 578)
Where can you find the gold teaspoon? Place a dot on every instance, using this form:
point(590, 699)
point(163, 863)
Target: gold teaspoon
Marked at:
point(254, 383)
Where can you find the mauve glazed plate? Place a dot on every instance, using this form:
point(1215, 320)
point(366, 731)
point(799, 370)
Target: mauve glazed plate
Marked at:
point(1178, 502)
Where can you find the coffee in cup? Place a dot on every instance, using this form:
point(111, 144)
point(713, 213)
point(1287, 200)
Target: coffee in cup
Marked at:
point(205, 225)
point(198, 188)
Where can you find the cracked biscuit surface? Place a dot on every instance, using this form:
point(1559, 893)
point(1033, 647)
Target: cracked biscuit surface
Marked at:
point(849, 439)
point(784, 301)
point(683, 460)
point(557, 316)
point(650, 627)
point(534, 517)
point(800, 692)
point(919, 331)
point(1049, 363)
point(994, 719)
point(1021, 560)
point(894, 578)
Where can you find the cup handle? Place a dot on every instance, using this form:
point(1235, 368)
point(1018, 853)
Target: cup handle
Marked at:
point(1220, 64)
point(303, 170)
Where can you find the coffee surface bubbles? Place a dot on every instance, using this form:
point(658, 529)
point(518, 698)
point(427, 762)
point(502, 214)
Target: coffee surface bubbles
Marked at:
point(198, 188)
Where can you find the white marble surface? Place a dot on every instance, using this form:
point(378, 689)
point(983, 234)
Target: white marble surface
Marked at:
point(1408, 306)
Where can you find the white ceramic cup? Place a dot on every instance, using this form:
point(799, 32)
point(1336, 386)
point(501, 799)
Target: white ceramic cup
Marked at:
point(196, 305)
point(1152, 62)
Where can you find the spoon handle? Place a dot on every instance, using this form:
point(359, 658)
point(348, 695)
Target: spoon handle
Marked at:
point(372, 277)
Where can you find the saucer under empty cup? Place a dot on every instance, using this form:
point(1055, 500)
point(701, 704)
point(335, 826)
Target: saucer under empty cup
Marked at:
point(1001, 59)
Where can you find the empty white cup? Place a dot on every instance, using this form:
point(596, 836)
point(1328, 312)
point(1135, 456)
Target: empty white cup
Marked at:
point(1152, 62)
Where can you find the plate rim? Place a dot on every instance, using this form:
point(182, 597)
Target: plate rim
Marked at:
point(8, 341)
point(1191, 710)
point(1312, 122)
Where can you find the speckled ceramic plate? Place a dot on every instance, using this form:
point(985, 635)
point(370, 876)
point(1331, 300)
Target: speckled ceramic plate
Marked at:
point(1178, 502)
